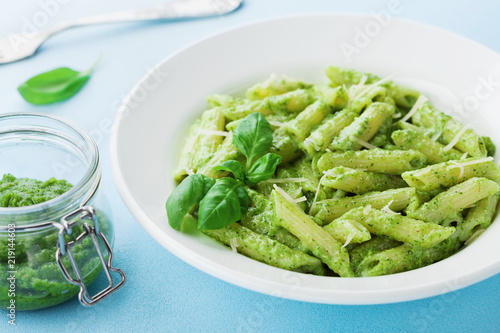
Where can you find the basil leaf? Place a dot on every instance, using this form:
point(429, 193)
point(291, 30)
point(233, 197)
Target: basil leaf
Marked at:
point(189, 192)
point(54, 86)
point(253, 136)
point(224, 204)
point(263, 168)
point(233, 166)
point(243, 197)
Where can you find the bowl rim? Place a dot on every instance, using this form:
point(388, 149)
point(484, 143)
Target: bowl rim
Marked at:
point(255, 283)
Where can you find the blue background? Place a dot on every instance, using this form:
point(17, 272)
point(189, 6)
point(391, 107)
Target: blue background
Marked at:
point(163, 293)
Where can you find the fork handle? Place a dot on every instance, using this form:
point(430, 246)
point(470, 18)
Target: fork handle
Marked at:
point(173, 10)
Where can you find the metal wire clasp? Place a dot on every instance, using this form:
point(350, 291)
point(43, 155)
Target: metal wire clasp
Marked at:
point(63, 249)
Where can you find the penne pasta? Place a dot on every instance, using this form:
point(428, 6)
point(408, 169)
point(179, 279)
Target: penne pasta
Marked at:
point(355, 177)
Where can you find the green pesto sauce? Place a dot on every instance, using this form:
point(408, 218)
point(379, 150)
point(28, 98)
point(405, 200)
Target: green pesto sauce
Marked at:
point(20, 192)
point(39, 281)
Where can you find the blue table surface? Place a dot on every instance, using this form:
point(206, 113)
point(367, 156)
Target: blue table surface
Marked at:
point(162, 292)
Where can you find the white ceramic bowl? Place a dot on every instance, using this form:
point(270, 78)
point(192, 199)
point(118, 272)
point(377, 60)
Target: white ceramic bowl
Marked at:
point(151, 125)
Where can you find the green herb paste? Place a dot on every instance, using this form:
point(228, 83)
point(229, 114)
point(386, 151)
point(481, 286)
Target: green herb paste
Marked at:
point(39, 282)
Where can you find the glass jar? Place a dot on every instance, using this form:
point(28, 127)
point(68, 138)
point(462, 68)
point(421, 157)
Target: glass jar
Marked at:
point(51, 251)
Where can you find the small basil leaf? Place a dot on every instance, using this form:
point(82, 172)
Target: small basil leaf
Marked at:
point(54, 86)
point(263, 168)
point(253, 136)
point(224, 204)
point(185, 196)
point(233, 166)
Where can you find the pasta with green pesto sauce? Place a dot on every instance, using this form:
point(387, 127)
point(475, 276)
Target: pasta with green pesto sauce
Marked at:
point(372, 180)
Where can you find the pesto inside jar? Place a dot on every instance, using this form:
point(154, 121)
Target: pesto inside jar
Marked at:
point(21, 192)
point(39, 282)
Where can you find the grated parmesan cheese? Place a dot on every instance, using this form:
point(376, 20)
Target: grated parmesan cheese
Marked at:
point(456, 138)
point(234, 243)
point(345, 89)
point(464, 156)
point(189, 171)
point(384, 80)
point(461, 165)
point(296, 193)
point(285, 180)
point(456, 164)
point(355, 88)
point(284, 195)
point(474, 237)
point(361, 142)
point(388, 210)
point(396, 115)
point(349, 239)
point(325, 173)
point(481, 160)
point(309, 141)
point(390, 203)
point(420, 101)
point(367, 209)
point(301, 199)
point(366, 89)
point(362, 81)
point(328, 150)
point(327, 200)
point(210, 132)
point(436, 136)
point(316, 195)
point(478, 161)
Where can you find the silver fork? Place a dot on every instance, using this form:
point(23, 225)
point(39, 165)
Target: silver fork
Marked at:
point(19, 46)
